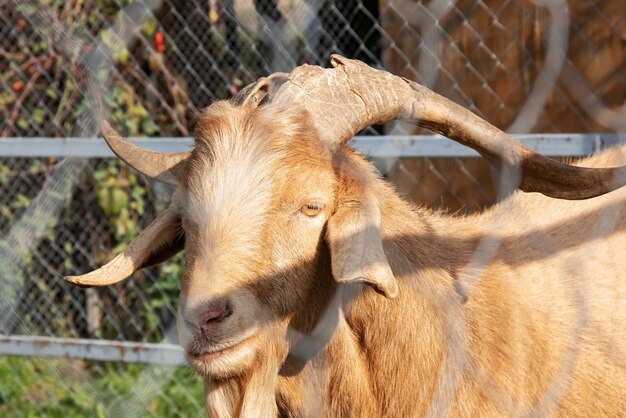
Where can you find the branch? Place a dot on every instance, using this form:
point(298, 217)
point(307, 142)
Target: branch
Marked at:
point(65, 105)
point(150, 87)
point(170, 83)
point(40, 59)
point(18, 103)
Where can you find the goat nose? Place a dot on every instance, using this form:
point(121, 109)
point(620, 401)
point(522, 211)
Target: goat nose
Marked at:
point(217, 310)
point(207, 314)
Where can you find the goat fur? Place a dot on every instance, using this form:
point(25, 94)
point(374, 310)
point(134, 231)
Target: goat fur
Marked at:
point(516, 311)
point(366, 305)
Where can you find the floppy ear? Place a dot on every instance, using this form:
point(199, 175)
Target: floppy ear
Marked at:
point(354, 237)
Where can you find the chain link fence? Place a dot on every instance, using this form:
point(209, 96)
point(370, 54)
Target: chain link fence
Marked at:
point(542, 66)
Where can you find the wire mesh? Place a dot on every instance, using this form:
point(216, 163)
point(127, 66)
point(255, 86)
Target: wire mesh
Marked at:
point(525, 66)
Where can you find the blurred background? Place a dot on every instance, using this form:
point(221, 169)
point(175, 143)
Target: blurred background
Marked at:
point(537, 67)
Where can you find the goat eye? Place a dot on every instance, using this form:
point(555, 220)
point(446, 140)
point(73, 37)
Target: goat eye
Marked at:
point(311, 209)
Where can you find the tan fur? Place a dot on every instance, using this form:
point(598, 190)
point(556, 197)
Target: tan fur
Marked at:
point(533, 331)
point(518, 311)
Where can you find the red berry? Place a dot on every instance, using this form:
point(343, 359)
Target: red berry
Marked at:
point(159, 42)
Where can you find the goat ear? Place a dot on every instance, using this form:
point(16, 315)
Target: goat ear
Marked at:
point(356, 249)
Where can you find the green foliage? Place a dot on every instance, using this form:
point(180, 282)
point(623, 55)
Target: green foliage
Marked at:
point(37, 116)
point(116, 45)
point(31, 387)
point(123, 198)
point(54, 104)
point(48, 72)
point(4, 173)
point(49, 97)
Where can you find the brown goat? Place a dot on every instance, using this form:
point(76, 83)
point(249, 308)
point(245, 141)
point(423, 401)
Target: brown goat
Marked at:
point(515, 311)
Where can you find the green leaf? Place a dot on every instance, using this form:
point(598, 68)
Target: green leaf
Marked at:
point(107, 37)
point(132, 127)
point(149, 128)
point(22, 123)
point(68, 247)
point(20, 201)
point(38, 115)
point(102, 195)
point(149, 27)
point(5, 98)
point(100, 411)
point(99, 175)
point(137, 111)
point(4, 173)
point(26, 8)
point(121, 56)
point(118, 95)
point(158, 303)
point(112, 200)
point(119, 248)
point(51, 93)
point(5, 211)
point(35, 166)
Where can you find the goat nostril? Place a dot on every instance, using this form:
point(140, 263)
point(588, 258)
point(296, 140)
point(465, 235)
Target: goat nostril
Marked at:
point(207, 316)
point(217, 312)
point(213, 316)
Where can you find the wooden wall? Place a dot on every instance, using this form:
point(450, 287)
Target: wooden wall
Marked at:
point(491, 55)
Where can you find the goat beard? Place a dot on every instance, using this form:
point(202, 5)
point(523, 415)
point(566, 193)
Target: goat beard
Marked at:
point(253, 392)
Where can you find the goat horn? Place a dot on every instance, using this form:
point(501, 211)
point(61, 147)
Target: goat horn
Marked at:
point(351, 96)
point(160, 166)
point(257, 93)
point(159, 241)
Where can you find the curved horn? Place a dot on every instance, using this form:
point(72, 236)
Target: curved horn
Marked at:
point(262, 90)
point(160, 166)
point(159, 241)
point(351, 96)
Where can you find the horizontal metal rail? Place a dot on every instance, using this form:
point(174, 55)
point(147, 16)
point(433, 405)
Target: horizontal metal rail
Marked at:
point(373, 146)
point(384, 146)
point(100, 350)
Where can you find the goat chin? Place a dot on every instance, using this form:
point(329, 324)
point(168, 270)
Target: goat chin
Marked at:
point(250, 391)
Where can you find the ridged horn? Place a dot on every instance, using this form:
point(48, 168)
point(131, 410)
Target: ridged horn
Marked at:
point(160, 240)
point(351, 96)
point(157, 165)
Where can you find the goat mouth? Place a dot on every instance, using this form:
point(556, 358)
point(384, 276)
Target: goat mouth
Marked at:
point(206, 350)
